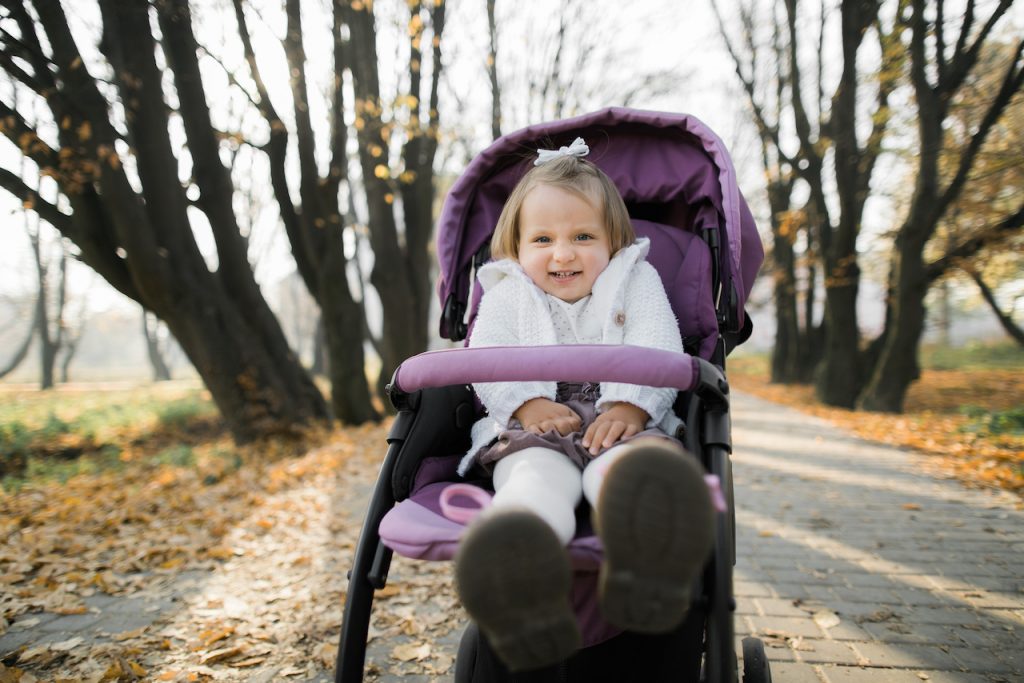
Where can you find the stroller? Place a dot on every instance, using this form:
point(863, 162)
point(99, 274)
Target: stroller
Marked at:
point(679, 186)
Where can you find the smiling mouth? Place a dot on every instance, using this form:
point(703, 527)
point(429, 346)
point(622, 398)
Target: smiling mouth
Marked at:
point(565, 274)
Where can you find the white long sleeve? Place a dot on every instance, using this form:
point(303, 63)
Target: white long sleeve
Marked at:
point(648, 321)
point(498, 324)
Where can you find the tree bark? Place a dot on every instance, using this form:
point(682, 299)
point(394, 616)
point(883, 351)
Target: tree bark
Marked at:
point(161, 373)
point(143, 243)
point(315, 227)
point(401, 267)
point(492, 70)
point(24, 347)
point(897, 367)
point(838, 379)
point(1015, 332)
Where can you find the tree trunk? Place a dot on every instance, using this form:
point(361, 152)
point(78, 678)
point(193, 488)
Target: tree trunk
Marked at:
point(23, 349)
point(315, 228)
point(161, 373)
point(1012, 329)
point(401, 267)
point(838, 378)
point(898, 365)
point(492, 71)
point(144, 245)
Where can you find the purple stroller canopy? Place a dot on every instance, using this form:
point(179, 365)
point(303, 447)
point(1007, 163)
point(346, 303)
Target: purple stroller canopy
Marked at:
point(669, 168)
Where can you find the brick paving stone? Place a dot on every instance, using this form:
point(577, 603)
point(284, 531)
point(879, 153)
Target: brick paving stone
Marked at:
point(848, 674)
point(981, 661)
point(750, 589)
point(71, 622)
point(779, 608)
point(794, 672)
point(817, 651)
point(847, 631)
point(956, 677)
point(906, 655)
point(792, 626)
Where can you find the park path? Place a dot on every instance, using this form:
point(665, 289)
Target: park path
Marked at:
point(857, 562)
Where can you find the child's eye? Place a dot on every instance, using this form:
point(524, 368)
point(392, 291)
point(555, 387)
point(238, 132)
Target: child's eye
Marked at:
point(542, 240)
point(584, 237)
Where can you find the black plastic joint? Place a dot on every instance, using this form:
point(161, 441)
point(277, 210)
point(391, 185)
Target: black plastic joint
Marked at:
point(712, 386)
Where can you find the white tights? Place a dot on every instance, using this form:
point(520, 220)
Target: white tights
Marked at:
point(550, 485)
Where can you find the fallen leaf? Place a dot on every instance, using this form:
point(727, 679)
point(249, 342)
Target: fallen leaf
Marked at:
point(411, 651)
point(222, 654)
point(826, 618)
point(911, 506)
point(67, 645)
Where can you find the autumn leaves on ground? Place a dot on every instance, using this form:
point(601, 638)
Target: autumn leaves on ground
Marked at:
point(129, 492)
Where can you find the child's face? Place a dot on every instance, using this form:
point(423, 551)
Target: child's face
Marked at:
point(563, 242)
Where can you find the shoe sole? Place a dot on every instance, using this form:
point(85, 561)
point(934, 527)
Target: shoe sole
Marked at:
point(656, 521)
point(514, 579)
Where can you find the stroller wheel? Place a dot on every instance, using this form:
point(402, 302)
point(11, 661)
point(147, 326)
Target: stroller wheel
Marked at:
point(755, 662)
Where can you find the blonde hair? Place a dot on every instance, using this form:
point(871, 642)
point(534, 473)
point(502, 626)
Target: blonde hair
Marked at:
point(574, 175)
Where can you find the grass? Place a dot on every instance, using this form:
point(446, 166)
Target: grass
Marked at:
point(966, 409)
point(77, 430)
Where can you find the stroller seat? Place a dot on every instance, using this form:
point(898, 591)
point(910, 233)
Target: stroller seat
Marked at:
point(680, 189)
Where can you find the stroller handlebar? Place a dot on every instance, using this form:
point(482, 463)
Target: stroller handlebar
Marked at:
point(562, 363)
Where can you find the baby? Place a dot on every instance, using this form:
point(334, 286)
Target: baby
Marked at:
point(568, 269)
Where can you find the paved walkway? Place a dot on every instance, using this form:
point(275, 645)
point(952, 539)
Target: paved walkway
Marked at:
point(856, 563)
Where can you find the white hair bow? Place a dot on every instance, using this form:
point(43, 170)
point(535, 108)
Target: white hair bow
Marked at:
point(578, 148)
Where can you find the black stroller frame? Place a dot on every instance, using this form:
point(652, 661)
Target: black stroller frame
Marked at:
point(436, 420)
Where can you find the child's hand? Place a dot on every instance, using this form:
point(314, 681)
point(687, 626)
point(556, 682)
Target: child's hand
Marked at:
point(617, 421)
point(540, 415)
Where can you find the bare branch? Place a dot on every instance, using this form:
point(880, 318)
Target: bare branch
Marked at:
point(1012, 83)
point(31, 199)
point(964, 59)
point(968, 248)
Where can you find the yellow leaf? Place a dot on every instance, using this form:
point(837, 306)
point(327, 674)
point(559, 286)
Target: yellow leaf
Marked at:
point(85, 131)
point(411, 651)
point(381, 171)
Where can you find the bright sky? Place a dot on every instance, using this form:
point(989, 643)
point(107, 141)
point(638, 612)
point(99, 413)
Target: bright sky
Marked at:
point(672, 34)
point(681, 35)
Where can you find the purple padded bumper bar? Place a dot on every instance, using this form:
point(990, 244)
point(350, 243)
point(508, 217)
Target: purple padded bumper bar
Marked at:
point(416, 527)
point(564, 363)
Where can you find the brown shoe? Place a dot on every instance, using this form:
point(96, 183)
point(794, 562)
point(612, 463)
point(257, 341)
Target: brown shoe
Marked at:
point(655, 518)
point(513, 577)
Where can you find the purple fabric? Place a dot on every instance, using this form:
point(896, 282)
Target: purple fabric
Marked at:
point(683, 261)
point(667, 164)
point(415, 528)
point(436, 468)
point(564, 363)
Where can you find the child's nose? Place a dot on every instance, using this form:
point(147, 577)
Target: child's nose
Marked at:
point(564, 252)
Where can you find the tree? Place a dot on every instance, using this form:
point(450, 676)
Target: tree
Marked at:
point(1012, 329)
point(402, 264)
point(569, 59)
point(123, 204)
point(938, 71)
point(832, 146)
point(22, 350)
point(314, 227)
point(155, 350)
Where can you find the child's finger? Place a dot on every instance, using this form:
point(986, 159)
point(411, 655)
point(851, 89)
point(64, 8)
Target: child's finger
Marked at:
point(588, 435)
point(615, 432)
point(598, 439)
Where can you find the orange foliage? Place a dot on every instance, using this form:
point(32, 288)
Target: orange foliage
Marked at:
point(932, 422)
